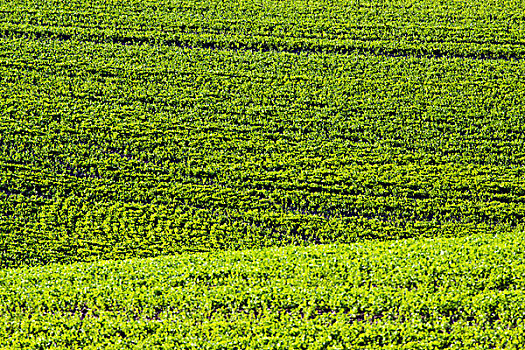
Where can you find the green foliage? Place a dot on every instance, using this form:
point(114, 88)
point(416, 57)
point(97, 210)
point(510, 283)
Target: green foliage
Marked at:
point(477, 29)
point(168, 136)
point(448, 293)
point(141, 128)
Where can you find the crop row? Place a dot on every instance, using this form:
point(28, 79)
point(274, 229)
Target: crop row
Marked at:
point(421, 21)
point(462, 29)
point(455, 293)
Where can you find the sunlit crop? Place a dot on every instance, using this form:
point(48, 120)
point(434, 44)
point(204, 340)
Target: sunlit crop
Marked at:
point(183, 130)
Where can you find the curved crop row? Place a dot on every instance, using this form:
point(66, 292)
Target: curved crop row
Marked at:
point(109, 151)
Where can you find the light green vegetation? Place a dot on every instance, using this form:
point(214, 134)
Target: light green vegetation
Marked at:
point(452, 293)
point(262, 174)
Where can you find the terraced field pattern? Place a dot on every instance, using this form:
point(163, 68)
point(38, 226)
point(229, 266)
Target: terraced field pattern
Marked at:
point(262, 174)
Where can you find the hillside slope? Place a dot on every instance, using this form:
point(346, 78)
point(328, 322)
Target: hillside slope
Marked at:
point(144, 128)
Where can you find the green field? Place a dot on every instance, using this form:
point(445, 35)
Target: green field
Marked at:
point(262, 174)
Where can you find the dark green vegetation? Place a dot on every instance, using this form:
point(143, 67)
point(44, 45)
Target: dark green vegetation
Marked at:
point(134, 129)
point(387, 136)
point(451, 293)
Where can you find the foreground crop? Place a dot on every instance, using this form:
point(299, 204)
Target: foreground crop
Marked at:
point(420, 294)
